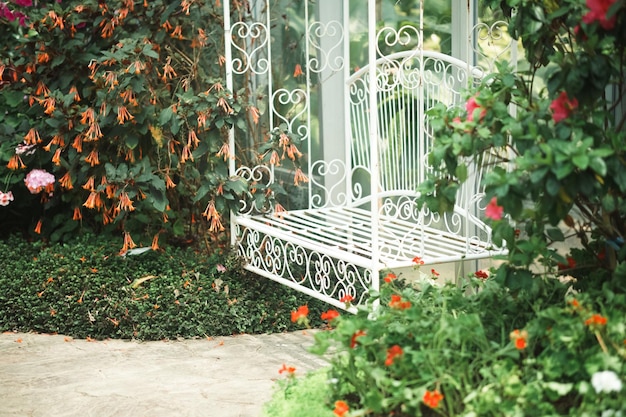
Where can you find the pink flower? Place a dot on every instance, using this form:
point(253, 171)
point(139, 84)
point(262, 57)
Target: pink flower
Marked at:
point(493, 211)
point(598, 10)
point(472, 105)
point(562, 107)
point(23, 3)
point(6, 198)
point(38, 180)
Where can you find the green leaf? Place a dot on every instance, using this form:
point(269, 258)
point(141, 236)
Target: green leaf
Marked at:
point(131, 141)
point(165, 116)
point(581, 161)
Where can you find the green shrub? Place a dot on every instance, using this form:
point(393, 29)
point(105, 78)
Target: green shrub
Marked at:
point(123, 103)
point(556, 154)
point(477, 350)
point(85, 289)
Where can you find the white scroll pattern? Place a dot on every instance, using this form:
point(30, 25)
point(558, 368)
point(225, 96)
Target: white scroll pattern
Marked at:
point(330, 278)
point(330, 56)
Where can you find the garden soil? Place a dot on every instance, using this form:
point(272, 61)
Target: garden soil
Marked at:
point(57, 376)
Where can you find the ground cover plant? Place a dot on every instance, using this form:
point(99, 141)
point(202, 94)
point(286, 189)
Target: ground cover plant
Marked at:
point(471, 350)
point(85, 289)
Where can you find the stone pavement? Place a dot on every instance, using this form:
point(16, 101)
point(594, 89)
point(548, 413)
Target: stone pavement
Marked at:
point(57, 376)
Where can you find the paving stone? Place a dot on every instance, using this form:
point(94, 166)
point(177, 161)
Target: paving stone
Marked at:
point(56, 376)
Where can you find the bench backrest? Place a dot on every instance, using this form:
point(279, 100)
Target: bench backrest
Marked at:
point(409, 83)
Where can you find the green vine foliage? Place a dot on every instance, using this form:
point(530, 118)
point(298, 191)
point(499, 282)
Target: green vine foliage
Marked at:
point(122, 101)
point(560, 170)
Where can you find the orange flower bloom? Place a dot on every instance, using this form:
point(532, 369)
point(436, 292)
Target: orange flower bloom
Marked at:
point(168, 182)
point(596, 320)
point(298, 71)
point(43, 57)
point(74, 90)
point(32, 137)
point(177, 32)
point(330, 315)
point(355, 336)
point(49, 105)
point(123, 114)
point(125, 203)
point(186, 154)
point(418, 261)
point(274, 159)
point(392, 353)
point(92, 158)
point(213, 217)
point(168, 70)
point(128, 96)
point(88, 116)
point(192, 139)
point(289, 369)
point(155, 242)
point(93, 201)
point(128, 243)
point(224, 152)
point(396, 302)
point(89, 184)
point(299, 177)
point(77, 214)
point(300, 314)
point(38, 227)
point(15, 162)
point(78, 143)
point(390, 277)
point(346, 299)
point(42, 89)
point(519, 338)
point(66, 181)
point(341, 408)
point(432, 398)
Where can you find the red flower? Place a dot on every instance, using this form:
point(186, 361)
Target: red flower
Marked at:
point(493, 211)
point(519, 338)
point(300, 314)
point(289, 369)
point(392, 353)
point(396, 302)
point(571, 264)
point(472, 105)
point(341, 408)
point(434, 273)
point(330, 315)
point(562, 107)
point(355, 336)
point(596, 320)
point(390, 277)
point(347, 299)
point(598, 10)
point(481, 274)
point(432, 398)
point(418, 261)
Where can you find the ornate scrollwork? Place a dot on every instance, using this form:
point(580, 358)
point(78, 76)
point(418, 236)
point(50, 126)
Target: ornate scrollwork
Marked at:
point(327, 276)
point(493, 38)
point(294, 104)
point(328, 183)
point(404, 37)
point(255, 36)
point(259, 174)
point(330, 57)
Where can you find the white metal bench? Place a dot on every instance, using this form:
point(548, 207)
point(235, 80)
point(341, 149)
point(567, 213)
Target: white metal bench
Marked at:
point(349, 231)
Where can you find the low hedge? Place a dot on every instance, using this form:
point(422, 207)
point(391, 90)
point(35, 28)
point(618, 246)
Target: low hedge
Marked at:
point(84, 288)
